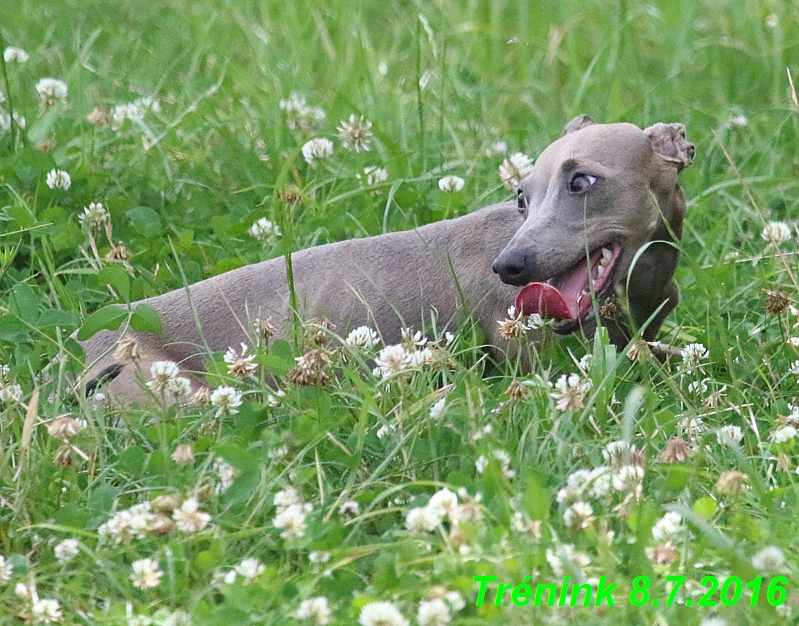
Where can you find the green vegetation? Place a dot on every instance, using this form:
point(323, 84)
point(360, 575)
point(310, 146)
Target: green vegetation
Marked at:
point(337, 490)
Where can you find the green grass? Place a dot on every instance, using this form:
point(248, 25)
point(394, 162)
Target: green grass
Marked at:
point(440, 82)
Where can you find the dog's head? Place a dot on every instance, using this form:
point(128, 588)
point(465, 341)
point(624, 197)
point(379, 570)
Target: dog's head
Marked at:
point(594, 198)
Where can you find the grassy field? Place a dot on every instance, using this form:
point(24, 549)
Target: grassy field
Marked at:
point(317, 505)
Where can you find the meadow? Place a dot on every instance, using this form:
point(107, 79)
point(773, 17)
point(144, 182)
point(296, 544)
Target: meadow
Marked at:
point(146, 147)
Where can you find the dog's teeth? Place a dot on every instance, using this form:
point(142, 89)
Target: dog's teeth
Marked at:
point(600, 270)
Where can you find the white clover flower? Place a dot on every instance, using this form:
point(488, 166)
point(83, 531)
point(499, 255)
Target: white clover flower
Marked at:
point(5, 571)
point(319, 556)
point(349, 510)
point(189, 518)
point(118, 528)
point(713, 621)
point(299, 115)
point(222, 577)
point(58, 179)
point(438, 409)
point(443, 502)
point(362, 337)
point(418, 358)
point(585, 363)
point(122, 112)
point(51, 91)
point(691, 427)
point(451, 184)
point(729, 432)
point(629, 478)
point(146, 103)
point(146, 573)
point(356, 134)
point(579, 515)
point(162, 372)
point(65, 427)
point(178, 387)
point(381, 614)
point(315, 609)
point(392, 360)
point(12, 54)
point(772, 21)
point(183, 454)
point(10, 393)
point(385, 430)
point(570, 391)
point(317, 149)
point(226, 399)
point(141, 519)
point(667, 527)
point(497, 148)
point(285, 498)
point(66, 550)
point(600, 482)
point(479, 434)
point(423, 519)
point(504, 462)
point(265, 230)
point(291, 521)
point(276, 399)
point(737, 121)
point(692, 355)
point(514, 169)
point(578, 479)
point(783, 434)
point(769, 560)
point(698, 387)
point(226, 474)
point(776, 233)
point(617, 453)
point(95, 217)
point(373, 175)
point(566, 495)
point(240, 364)
point(413, 339)
point(566, 552)
point(455, 600)
point(279, 452)
point(46, 611)
point(433, 613)
point(250, 569)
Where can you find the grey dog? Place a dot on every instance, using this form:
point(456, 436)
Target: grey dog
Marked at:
point(599, 216)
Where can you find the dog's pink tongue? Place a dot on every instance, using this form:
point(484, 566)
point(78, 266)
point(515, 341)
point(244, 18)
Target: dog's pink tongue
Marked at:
point(544, 299)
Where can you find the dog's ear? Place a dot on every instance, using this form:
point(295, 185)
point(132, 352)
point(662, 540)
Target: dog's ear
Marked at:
point(581, 121)
point(668, 141)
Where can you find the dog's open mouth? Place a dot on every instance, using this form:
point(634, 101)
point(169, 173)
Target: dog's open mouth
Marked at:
point(567, 298)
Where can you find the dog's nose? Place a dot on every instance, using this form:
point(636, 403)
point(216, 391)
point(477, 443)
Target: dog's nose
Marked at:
point(511, 266)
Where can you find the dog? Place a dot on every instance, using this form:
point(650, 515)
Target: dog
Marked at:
point(598, 217)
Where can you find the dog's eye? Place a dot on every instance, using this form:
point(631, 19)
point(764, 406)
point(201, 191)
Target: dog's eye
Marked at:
point(581, 182)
